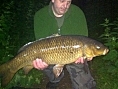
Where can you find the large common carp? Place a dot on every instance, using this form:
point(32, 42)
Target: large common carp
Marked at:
point(59, 50)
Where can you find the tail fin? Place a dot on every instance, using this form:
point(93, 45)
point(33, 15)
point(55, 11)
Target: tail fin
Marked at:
point(5, 74)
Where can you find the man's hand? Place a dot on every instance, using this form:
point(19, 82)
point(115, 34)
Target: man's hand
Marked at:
point(39, 64)
point(81, 60)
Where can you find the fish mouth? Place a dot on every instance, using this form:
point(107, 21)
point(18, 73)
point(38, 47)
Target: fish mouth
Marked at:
point(105, 51)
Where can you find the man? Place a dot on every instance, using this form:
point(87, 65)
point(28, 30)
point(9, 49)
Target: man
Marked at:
point(65, 19)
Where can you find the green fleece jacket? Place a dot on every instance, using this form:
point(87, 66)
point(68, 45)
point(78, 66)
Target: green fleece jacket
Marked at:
point(45, 23)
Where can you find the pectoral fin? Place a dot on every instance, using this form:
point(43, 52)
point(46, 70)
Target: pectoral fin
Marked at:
point(57, 69)
point(27, 69)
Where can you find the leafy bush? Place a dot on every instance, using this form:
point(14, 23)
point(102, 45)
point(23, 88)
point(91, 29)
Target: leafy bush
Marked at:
point(20, 80)
point(5, 25)
point(105, 68)
point(16, 29)
point(110, 37)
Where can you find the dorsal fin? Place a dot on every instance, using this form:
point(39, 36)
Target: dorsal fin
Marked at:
point(24, 47)
point(27, 45)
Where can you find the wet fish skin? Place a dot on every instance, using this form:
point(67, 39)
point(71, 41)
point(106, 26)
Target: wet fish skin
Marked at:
point(58, 50)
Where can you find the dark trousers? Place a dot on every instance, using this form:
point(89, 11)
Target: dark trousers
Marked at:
point(79, 77)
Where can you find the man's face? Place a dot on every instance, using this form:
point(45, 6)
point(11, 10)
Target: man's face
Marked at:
point(60, 7)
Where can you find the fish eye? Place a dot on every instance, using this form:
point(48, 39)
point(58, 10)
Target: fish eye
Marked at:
point(98, 47)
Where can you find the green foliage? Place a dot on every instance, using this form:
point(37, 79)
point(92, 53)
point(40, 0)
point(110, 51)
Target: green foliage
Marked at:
point(110, 34)
point(103, 78)
point(22, 25)
point(31, 80)
point(5, 46)
point(16, 25)
point(16, 29)
point(110, 37)
point(106, 67)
